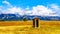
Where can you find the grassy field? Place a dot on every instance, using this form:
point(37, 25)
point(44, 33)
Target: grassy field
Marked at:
point(25, 27)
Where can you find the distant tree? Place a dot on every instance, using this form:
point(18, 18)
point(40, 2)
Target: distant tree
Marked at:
point(25, 19)
point(2, 20)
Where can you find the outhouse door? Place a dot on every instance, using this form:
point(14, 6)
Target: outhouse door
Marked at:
point(37, 23)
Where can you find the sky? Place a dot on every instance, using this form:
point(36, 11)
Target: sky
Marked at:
point(30, 7)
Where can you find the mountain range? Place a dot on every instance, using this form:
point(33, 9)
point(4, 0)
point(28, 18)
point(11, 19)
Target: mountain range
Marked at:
point(29, 17)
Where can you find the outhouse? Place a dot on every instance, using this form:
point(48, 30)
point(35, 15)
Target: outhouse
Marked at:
point(36, 22)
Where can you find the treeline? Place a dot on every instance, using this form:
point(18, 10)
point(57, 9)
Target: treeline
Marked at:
point(24, 19)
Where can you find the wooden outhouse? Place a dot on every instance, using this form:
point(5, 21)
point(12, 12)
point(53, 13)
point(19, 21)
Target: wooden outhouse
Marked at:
point(36, 22)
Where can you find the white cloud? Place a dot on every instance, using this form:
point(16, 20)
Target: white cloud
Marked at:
point(13, 10)
point(1, 9)
point(6, 2)
point(55, 8)
point(41, 11)
point(36, 10)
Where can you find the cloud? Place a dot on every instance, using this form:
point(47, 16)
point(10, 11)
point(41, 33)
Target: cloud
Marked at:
point(6, 2)
point(39, 10)
point(13, 10)
point(1, 9)
point(55, 8)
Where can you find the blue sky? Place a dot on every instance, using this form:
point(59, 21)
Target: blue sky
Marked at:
point(31, 7)
point(30, 3)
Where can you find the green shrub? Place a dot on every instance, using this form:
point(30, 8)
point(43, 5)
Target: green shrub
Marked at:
point(25, 19)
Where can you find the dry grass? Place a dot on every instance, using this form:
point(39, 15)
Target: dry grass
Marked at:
point(15, 23)
point(46, 27)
